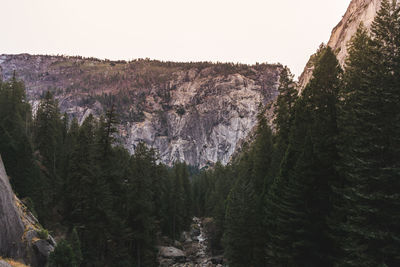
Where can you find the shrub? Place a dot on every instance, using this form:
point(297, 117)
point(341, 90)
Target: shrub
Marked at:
point(62, 256)
point(43, 234)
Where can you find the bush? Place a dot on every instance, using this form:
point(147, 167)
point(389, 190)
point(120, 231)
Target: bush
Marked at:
point(43, 234)
point(62, 256)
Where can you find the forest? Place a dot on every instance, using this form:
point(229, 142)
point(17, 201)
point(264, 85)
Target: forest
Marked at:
point(318, 188)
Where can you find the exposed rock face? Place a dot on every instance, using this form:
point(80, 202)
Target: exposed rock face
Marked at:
point(193, 112)
point(19, 238)
point(11, 226)
point(358, 11)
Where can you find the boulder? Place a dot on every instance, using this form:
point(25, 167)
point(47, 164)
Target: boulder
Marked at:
point(172, 253)
point(43, 248)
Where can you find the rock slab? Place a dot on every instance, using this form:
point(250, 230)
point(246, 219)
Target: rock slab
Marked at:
point(19, 237)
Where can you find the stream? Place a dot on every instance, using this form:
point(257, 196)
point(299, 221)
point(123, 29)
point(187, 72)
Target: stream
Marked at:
point(192, 252)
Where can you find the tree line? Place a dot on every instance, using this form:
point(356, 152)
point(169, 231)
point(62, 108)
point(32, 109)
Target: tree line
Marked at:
point(111, 206)
point(323, 188)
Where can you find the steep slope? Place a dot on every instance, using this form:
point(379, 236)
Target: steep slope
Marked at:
point(19, 229)
point(11, 226)
point(358, 11)
point(193, 112)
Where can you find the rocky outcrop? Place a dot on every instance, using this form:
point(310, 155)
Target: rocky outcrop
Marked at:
point(359, 11)
point(194, 249)
point(171, 254)
point(19, 229)
point(193, 112)
point(11, 226)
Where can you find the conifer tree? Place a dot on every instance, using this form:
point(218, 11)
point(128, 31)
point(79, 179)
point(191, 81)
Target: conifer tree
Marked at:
point(370, 125)
point(62, 256)
point(88, 196)
point(284, 108)
point(76, 246)
point(48, 131)
point(240, 224)
point(48, 140)
point(15, 141)
point(140, 214)
point(315, 120)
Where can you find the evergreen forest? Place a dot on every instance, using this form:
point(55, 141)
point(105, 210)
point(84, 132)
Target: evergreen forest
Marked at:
point(320, 187)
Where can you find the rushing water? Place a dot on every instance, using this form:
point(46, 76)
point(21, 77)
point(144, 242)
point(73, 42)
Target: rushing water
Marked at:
point(200, 256)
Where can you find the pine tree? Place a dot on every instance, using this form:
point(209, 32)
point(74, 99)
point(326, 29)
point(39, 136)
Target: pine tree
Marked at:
point(48, 139)
point(239, 224)
point(76, 246)
point(16, 144)
point(48, 131)
point(284, 108)
point(88, 196)
point(314, 132)
point(261, 154)
point(140, 206)
point(62, 256)
point(370, 124)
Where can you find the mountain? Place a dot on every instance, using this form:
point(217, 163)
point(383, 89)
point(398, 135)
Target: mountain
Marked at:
point(359, 11)
point(193, 112)
point(20, 232)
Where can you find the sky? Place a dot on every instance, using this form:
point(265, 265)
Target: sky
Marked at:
point(245, 31)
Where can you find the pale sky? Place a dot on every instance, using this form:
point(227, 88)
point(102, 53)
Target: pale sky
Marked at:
point(246, 31)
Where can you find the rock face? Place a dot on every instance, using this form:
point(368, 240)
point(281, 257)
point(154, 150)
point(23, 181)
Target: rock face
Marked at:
point(193, 112)
point(19, 238)
point(11, 226)
point(358, 11)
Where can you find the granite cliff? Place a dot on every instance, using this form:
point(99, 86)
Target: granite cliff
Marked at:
point(193, 112)
point(20, 236)
point(359, 11)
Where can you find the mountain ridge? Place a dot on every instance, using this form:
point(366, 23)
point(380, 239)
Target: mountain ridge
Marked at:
point(195, 112)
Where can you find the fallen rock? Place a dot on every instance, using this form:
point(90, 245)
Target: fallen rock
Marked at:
point(172, 253)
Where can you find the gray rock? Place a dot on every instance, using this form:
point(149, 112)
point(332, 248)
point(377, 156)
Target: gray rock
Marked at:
point(43, 247)
point(192, 113)
point(166, 262)
point(4, 264)
point(15, 219)
point(11, 226)
point(171, 253)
